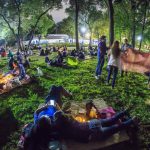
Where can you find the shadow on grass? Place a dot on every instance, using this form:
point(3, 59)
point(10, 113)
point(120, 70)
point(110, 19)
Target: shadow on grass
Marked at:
point(8, 124)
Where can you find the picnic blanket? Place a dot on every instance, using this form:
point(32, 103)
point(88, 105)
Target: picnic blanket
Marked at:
point(11, 87)
point(136, 61)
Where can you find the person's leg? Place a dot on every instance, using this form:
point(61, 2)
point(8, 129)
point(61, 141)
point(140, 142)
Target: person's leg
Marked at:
point(108, 131)
point(52, 90)
point(98, 67)
point(102, 64)
point(112, 120)
point(110, 68)
point(115, 72)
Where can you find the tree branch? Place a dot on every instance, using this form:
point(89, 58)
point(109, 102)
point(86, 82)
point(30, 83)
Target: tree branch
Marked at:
point(7, 22)
point(36, 23)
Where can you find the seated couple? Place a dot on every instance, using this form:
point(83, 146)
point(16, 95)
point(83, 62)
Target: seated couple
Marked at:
point(58, 62)
point(51, 123)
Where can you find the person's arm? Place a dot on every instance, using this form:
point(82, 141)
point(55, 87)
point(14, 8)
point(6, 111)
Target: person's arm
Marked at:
point(41, 109)
point(66, 93)
point(109, 52)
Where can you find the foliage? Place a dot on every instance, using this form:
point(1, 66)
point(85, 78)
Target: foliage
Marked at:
point(23, 101)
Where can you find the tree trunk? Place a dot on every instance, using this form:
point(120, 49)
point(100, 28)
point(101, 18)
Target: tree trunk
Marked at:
point(111, 22)
point(76, 24)
point(133, 28)
point(143, 25)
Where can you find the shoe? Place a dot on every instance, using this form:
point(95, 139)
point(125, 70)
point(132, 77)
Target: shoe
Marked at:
point(96, 77)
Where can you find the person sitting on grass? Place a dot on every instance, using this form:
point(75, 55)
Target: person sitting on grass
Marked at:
point(73, 53)
point(19, 70)
point(114, 62)
point(47, 60)
point(81, 55)
point(42, 53)
point(19, 57)
point(27, 62)
point(58, 62)
point(10, 63)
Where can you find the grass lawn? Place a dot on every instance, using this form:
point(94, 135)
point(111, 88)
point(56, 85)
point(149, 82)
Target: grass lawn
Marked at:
point(18, 106)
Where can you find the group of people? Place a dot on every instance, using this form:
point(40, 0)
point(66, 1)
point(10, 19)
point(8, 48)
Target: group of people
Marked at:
point(114, 61)
point(51, 122)
point(17, 65)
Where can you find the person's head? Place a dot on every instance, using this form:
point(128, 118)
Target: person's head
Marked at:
point(43, 126)
point(103, 38)
point(115, 49)
point(89, 105)
point(126, 41)
point(15, 62)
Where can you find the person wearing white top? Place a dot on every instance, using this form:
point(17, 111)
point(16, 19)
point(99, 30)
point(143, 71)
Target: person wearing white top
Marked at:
point(114, 62)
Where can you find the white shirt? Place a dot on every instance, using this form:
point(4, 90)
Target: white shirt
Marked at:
point(114, 61)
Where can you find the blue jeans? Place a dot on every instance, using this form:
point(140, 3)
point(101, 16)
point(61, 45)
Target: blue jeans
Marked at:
point(108, 127)
point(112, 70)
point(56, 93)
point(100, 64)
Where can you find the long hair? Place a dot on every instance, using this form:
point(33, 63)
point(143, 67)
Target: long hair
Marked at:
point(40, 135)
point(115, 49)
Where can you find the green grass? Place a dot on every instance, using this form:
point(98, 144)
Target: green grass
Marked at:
point(23, 101)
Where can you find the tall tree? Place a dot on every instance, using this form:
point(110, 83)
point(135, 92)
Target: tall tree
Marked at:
point(146, 6)
point(111, 22)
point(15, 12)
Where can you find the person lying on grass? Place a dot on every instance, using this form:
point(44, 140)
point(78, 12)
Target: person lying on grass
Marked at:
point(64, 126)
point(53, 102)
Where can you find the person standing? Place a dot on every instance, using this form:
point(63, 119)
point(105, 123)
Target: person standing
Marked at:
point(114, 62)
point(124, 49)
point(101, 56)
point(125, 46)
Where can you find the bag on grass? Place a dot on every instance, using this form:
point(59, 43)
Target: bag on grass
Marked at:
point(39, 72)
point(72, 61)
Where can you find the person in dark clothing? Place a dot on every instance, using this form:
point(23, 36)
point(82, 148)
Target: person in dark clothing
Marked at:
point(47, 61)
point(39, 135)
point(101, 56)
point(10, 63)
point(73, 53)
point(95, 129)
point(42, 53)
point(19, 57)
point(22, 72)
point(81, 55)
point(59, 58)
point(54, 49)
point(47, 51)
point(56, 93)
point(26, 63)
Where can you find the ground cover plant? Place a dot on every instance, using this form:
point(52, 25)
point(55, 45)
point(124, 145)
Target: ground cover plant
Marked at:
point(18, 106)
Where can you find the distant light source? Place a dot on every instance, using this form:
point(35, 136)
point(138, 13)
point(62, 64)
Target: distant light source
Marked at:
point(87, 35)
point(83, 29)
point(139, 38)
